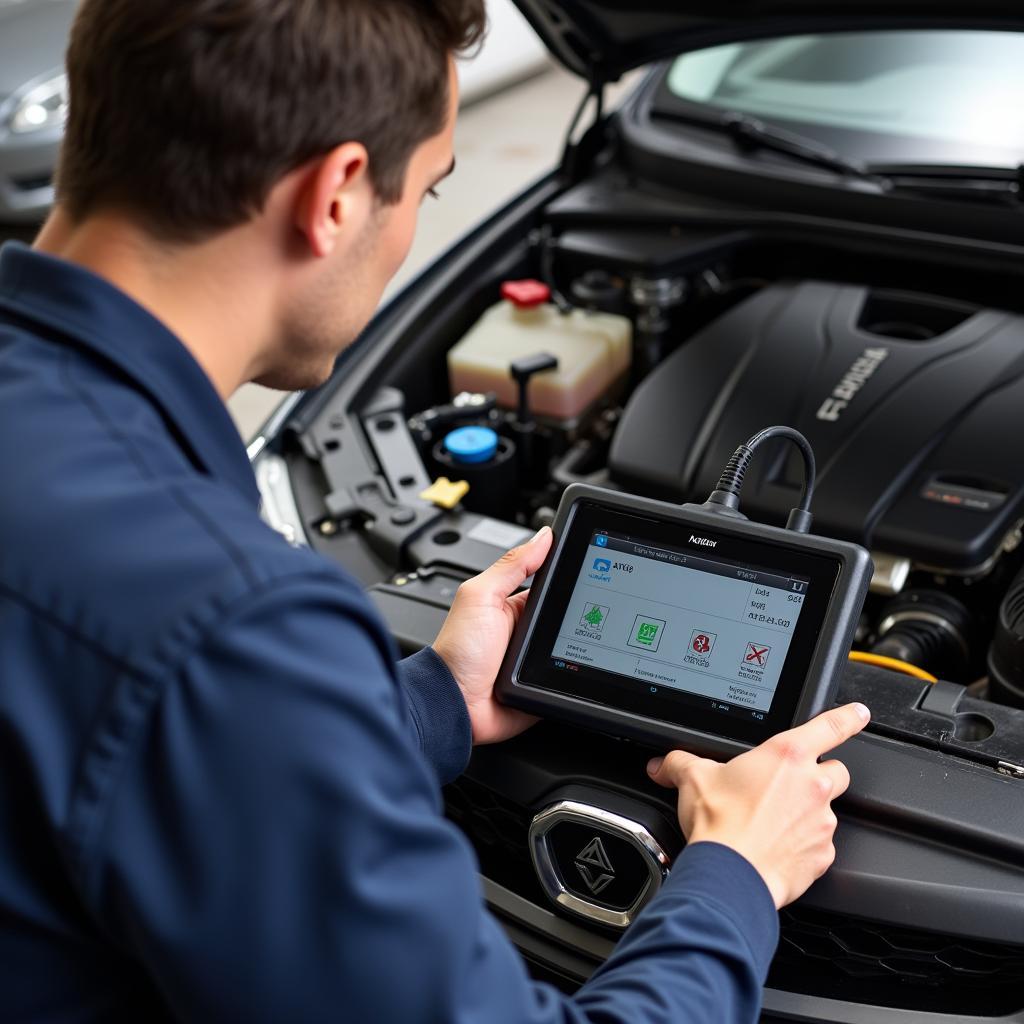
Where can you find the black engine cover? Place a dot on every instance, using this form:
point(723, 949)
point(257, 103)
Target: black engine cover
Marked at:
point(914, 406)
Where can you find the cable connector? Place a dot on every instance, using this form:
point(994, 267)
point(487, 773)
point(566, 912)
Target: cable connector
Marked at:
point(725, 498)
point(799, 520)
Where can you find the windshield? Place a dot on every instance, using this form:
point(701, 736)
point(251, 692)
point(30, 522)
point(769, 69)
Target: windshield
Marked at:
point(879, 97)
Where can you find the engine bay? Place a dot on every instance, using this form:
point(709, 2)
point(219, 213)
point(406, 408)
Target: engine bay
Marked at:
point(906, 398)
point(633, 351)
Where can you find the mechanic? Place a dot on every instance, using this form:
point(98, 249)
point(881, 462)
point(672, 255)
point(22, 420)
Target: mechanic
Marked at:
point(219, 790)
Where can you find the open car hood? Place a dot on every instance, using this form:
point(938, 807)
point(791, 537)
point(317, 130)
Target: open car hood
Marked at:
point(602, 39)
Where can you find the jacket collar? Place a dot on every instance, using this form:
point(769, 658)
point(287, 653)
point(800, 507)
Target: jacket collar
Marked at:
point(75, 307)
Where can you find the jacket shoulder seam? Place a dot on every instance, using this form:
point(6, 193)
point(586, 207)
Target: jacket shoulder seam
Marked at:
point(234, 553)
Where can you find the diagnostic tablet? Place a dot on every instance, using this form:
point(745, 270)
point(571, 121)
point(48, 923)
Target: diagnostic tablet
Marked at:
point(682, 627)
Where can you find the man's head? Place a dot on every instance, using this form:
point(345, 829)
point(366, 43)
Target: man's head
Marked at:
point(313, 128)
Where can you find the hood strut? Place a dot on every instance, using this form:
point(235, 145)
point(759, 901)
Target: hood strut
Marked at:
point(581, 143)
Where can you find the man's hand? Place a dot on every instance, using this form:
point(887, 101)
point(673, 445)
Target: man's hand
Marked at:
point(772, 805)
point(476, 633)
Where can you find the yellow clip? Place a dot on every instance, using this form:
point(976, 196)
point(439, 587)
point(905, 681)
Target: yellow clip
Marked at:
point(446, 493)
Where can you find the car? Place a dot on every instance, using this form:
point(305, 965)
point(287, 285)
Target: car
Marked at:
point(807, 214)
point(33, 104)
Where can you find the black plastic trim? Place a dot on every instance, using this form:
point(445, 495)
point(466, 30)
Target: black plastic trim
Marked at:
point(575, 953)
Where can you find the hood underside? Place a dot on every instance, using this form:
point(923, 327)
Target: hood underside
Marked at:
point(600, 40)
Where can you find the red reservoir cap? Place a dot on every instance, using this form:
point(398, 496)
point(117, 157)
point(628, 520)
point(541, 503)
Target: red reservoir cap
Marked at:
point(526, 294)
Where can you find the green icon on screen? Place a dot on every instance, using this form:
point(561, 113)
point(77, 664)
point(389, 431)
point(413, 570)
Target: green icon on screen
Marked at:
point(594, 617)
point(646, 633)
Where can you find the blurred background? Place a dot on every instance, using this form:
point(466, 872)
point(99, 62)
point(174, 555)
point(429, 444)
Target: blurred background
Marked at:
point(516, 109)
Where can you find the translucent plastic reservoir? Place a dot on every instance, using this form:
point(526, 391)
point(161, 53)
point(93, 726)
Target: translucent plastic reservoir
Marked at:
point(594, 352)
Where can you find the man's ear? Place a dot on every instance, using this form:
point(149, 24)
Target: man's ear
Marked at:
point(336, 196)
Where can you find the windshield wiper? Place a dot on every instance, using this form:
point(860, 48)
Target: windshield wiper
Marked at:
point(1002, 186)
point(957, 182)
point(751, 133)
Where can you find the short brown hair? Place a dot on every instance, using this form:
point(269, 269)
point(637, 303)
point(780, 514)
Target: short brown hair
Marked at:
point(188, 112)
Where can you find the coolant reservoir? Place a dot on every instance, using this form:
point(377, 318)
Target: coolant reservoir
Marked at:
point(594, 352)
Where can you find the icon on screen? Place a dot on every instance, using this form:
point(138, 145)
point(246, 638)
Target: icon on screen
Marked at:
point(702, 642)
point(594, 617)
point(602, 565)
point(646, 633)
point(601, 540)
point(756, 655)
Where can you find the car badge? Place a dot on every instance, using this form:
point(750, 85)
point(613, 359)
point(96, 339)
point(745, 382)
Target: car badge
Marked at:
point(593, 864)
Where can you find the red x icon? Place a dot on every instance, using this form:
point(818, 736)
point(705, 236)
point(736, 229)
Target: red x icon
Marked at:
point(756, 654)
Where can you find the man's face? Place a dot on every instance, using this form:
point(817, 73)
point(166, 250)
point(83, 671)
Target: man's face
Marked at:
point(330, 311)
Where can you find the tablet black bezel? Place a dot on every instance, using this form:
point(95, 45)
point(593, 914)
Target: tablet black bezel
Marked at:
point(610, 689)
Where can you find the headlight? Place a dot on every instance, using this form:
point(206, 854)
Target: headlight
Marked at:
point(42, 106)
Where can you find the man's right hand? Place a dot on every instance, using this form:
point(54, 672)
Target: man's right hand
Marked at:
point(772, 805)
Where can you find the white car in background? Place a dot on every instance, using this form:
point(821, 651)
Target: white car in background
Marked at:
point(33, 103)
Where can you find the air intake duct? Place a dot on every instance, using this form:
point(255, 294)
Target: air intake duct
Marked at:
point(929, 629)
point(1006, 655)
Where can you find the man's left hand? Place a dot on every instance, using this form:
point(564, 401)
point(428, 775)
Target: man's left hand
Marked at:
point(476, 633)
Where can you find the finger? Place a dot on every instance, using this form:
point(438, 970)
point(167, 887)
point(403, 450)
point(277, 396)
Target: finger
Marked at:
point(828, 858)
point(516, 604)
point(828, 730)
point(670, 771)
point(838, 774)
point(514, 567)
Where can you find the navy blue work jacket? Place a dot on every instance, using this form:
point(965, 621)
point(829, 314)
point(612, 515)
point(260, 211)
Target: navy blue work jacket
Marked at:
point(219, 791)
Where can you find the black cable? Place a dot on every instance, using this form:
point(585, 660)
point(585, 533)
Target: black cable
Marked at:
point(726, 496)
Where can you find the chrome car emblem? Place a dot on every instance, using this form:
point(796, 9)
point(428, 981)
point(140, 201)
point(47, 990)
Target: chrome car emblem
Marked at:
point(593, 864)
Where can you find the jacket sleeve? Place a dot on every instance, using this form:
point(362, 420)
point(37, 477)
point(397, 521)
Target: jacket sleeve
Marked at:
point(437, 713)
point(272, 848)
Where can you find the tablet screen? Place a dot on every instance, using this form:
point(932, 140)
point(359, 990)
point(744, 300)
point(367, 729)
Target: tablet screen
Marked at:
point(686, 621)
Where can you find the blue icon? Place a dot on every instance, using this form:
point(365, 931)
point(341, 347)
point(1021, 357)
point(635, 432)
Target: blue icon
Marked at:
point(602, 565)
point(601, 541)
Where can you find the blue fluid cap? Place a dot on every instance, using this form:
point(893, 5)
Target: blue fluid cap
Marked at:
point(470, 445)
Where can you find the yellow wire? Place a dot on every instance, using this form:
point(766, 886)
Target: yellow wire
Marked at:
point(893, 663)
